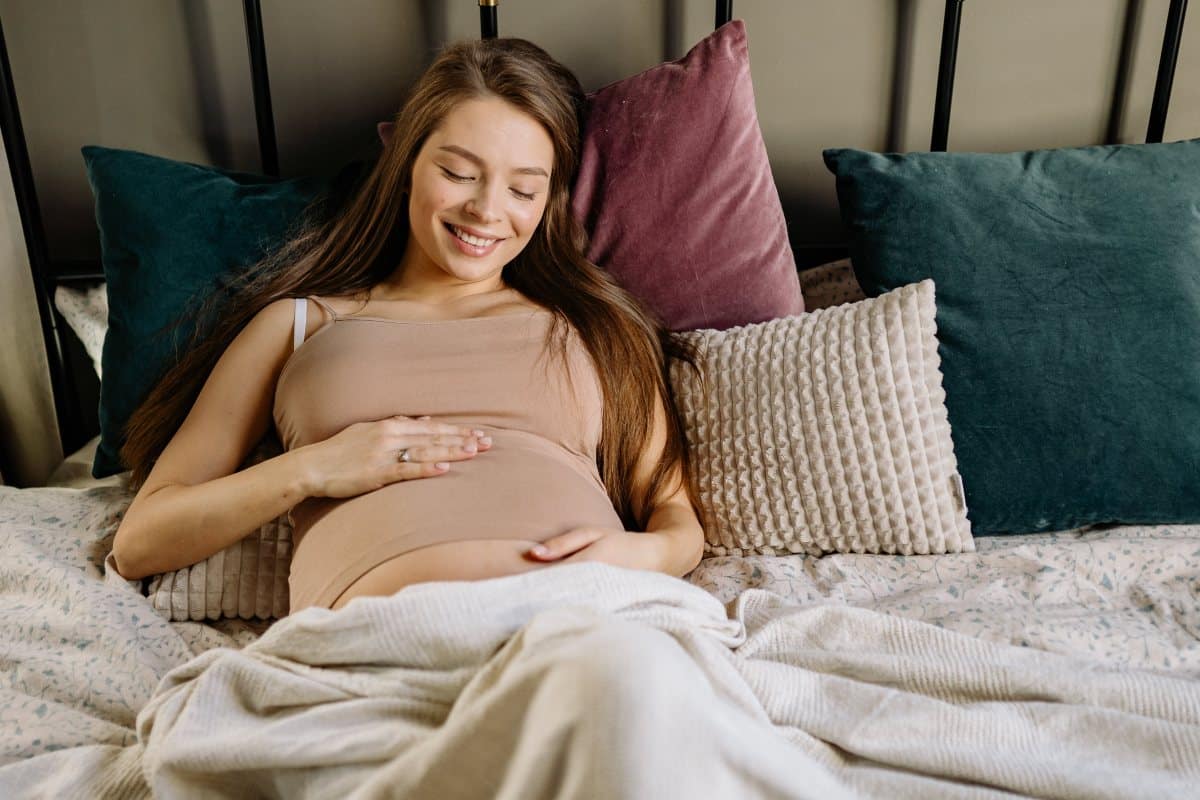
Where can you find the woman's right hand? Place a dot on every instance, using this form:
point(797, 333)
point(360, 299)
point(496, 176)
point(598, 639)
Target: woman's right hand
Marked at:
point(366, 455)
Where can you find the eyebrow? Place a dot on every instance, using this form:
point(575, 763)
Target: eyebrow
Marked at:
point(469, 156)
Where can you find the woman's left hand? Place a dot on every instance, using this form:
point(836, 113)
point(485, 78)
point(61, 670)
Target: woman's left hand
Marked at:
point(620, 548)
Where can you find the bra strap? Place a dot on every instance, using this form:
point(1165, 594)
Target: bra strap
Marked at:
point(300, 324)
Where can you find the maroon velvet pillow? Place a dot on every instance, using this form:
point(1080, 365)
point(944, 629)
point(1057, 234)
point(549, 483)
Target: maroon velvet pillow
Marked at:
point(677, 194)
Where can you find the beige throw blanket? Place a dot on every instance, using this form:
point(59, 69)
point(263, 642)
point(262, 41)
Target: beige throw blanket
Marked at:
point(594, 681)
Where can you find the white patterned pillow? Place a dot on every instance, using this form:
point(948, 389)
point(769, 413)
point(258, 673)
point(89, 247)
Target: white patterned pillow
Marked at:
point(247, 579)
point(826, 432)
point(829, 285)
point(86, 311)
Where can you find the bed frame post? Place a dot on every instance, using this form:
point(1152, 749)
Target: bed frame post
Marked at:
point(489, 26)
point(256, 42)
point(62, 385)
point(724, 13)
point(951, 23)
point(1116, 109)
point(1172, 36)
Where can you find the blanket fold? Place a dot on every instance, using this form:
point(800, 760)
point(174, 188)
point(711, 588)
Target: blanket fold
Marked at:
point(590, 680)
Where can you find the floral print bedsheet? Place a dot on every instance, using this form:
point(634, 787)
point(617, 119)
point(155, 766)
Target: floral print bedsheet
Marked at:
point(1122, 595)
point(79, 654)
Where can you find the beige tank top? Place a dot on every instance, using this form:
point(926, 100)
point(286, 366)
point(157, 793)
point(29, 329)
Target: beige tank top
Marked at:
point(538, 479)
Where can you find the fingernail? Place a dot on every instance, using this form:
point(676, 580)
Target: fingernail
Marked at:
point(485, 440)
point(442, 465)
point(539, 550)
point(477, 432)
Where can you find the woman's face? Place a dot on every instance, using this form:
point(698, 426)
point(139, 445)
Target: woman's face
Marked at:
point(479, 187)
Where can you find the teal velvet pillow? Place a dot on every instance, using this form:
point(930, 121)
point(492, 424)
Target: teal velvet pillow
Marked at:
point(1068, 318)
point(170, 233)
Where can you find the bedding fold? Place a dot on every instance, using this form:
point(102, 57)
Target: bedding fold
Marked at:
point(593, 680)
point(753, 679)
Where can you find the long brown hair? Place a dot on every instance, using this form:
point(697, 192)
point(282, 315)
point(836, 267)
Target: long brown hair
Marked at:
point(351, 251)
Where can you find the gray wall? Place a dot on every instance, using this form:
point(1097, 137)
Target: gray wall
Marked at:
point(171, 77)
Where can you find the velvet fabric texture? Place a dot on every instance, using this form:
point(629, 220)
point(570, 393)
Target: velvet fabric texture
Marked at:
point(677, 194)
point(170, 234)
point(1068, 318)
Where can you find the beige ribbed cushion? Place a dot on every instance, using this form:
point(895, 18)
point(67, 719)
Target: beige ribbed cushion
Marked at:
point(826, 432)
point(247, 579)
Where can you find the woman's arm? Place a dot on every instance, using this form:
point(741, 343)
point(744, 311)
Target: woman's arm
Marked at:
point(193, 503)
point(674, 539)
point(678, 534)
point(673, 522)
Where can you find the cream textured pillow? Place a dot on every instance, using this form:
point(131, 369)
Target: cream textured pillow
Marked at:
point(247, 579)
point(826, 432)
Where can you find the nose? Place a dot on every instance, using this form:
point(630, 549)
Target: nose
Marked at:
point(484, 204)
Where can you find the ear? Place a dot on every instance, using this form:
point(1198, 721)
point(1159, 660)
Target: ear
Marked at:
point(385, 131)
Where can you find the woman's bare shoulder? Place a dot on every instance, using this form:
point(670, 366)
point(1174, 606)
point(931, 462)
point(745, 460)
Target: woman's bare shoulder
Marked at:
point(268, 335)
point(275, 312)
point(282, 312)
point(233, 410)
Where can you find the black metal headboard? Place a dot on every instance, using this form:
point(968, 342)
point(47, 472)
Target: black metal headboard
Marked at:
point(48, 275)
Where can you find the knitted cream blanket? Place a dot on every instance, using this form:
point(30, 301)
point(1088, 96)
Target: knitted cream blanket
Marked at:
point(592, 681)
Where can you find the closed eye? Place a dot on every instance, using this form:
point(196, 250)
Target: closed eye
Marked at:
point(455, 177)
point(527, 196)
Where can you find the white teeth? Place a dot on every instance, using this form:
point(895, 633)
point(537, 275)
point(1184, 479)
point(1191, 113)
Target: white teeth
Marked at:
point(469, 239)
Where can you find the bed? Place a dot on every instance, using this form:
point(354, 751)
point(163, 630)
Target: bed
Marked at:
point(895, 656)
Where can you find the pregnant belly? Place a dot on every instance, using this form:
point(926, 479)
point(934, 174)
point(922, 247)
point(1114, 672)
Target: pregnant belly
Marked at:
point(472, 560)
point(474, 522)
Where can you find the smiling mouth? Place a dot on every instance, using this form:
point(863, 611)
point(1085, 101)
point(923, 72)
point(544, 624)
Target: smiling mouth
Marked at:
point(471, 239)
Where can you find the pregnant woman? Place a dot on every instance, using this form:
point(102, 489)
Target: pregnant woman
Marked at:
point(453, 383)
